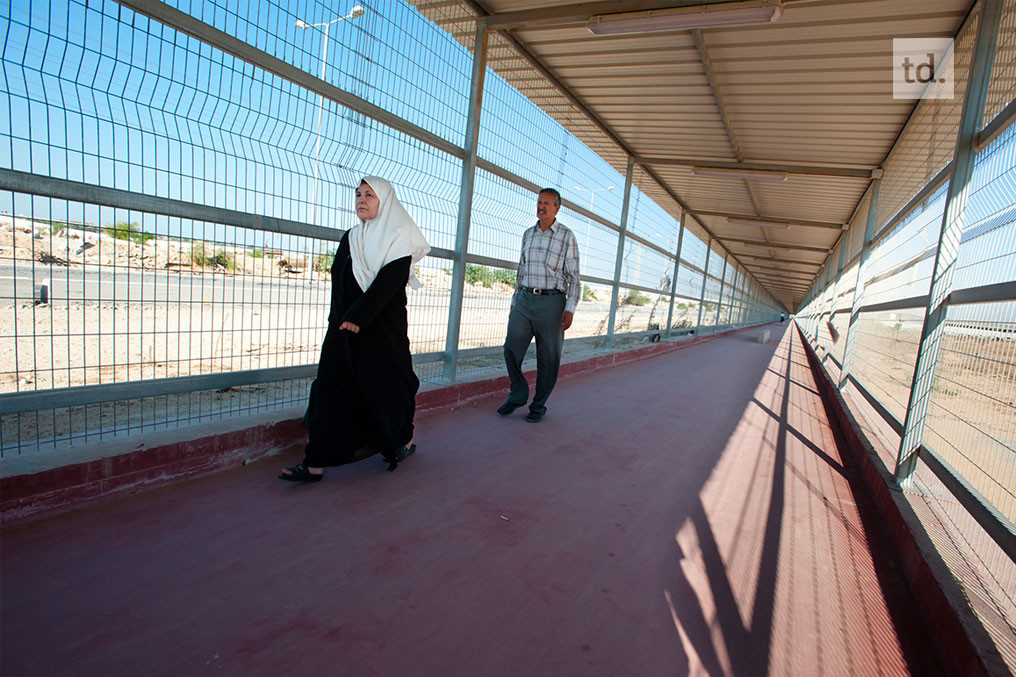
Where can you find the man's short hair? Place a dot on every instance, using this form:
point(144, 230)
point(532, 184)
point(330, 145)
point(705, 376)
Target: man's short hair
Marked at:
point(552, 191)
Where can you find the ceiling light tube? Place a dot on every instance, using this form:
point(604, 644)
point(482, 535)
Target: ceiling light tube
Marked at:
point(734, 173)
point(753, 222)
point(685, 18)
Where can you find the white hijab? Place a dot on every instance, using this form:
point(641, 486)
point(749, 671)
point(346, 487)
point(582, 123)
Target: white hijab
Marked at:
point(389, 236)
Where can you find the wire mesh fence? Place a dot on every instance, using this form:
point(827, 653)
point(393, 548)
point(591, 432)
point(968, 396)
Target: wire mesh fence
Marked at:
point(963, 487)
point(175, 184)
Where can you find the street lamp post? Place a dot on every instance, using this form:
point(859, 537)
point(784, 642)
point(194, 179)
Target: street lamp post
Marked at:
point(592, 198)
point(357, 11)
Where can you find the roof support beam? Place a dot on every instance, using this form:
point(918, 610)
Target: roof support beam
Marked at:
point(790, 289)
point(791, 247)
point(776, 278)
point(779, 260)
point(578, 12)
point(783, 273)
point(790, 222)
point(813, 170)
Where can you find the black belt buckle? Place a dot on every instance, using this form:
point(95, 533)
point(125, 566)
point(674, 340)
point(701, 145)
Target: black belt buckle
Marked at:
point(536, 290)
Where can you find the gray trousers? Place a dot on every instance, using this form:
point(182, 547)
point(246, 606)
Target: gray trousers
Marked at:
point(536, 316)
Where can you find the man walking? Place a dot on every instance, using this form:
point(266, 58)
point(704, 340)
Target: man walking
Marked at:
point(547, 290)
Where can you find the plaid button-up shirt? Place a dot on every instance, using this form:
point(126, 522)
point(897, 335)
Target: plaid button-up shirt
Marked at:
point(550, 260)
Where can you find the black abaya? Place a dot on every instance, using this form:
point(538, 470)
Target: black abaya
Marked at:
point(364, 397)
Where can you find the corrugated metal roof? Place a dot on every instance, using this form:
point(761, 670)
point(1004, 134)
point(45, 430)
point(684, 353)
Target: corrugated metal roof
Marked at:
point(812, 90)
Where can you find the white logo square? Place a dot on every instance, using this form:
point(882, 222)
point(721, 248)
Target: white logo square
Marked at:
point(923, 68)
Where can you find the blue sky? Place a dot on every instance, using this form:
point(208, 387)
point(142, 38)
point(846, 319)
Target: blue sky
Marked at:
point(98, 94)
point(101, 95)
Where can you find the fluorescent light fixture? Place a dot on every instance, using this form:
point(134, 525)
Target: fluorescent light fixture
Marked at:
point(685, 18)
point(754, 222)
point(732, 173)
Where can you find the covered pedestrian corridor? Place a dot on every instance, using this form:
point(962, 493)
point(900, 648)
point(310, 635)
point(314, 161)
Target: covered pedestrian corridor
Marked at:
point(631, 532)
point(838, 498)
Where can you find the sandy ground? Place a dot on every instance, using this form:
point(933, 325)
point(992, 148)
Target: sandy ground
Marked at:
point(73, 343)
point(971, 417)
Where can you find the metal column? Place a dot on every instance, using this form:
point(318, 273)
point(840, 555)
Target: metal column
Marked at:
point(949, 239)
point(862, 264)
point(620, 250)
point(705, 277)
point(824, 285)
point(719, 301)
point(465, 201)
point(673, 281)
point(836, 285)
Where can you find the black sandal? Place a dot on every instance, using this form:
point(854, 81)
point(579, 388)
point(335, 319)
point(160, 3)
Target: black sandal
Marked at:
point(401, 455)
point(300, 473)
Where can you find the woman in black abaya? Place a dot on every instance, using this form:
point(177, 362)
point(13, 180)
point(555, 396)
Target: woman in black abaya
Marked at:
point(364, 397)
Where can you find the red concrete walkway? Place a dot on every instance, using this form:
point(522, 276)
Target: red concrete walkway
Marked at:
point(685, 514)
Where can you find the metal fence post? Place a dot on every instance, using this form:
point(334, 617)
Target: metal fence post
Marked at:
point(742, 298)
point(719, 301)
point(862, 264)
point(978, 82)
point(465, 202)
point(824, 286)
point(836, 285)
point(702, 296)
point(620, 250)
point(673, 280)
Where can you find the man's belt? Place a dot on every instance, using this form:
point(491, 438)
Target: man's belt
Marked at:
point(537, 290)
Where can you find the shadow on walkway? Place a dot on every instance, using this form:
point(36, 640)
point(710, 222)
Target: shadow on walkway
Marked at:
point(685, 514)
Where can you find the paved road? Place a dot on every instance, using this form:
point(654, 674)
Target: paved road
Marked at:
point(20, 283)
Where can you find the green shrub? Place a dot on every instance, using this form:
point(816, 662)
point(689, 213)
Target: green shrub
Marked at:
point(588, 294)
point(481, 274)
point(197, 255)
point(323, 262)
point(200, 256)
point(635, 298)
point(257, 253)
point(223, 259)
point(505, 276)
point(131, 232)
point(487, 276)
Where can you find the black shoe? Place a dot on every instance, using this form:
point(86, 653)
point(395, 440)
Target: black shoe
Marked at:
point(533, 417)
point(401, 455)
point(507, 408)
point(300, 473)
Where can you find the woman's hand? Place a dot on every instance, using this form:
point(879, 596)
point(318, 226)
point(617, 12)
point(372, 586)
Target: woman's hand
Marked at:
point(349, 326)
